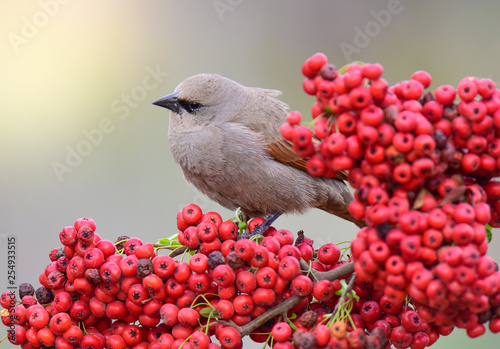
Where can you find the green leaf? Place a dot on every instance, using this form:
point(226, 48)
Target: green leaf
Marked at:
point(328, 109)
point(164, 241)
point(294, 316)
point(488, 232)
point(174, 237)
point(344, 286)
point(242, 225)
point(192, 252)
point(205, 312)
point(292, 325)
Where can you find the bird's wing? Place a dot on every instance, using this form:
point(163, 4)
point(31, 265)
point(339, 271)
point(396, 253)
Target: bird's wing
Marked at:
point(282, 151)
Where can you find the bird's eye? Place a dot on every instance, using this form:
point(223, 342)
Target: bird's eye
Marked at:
point(194, 105)
point(190, 107)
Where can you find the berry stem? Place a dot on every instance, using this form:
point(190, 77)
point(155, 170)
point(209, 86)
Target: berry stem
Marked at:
point(342, 300)
point(309, 270)
point(269, 338)
point(119, 242)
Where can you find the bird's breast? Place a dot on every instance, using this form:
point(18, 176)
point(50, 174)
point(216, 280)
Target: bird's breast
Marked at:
point(196, 150)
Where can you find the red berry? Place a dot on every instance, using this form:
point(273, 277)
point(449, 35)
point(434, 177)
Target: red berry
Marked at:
point(229, 338)
point(228, 230)
point(8, 299)
point(401, 338)
point(243, 304)
point(373, 71)
point(191, 214)
point(302, 285)
point(223, 275)
point(281, 332)
point(188, 316)
point(199, 340)
point(329, 254)
point(316, 61)
point(85, 222)
point(412, 89)
point(246, 282)
point(146, 250)
point(93, 258)
point(264, 296)
point(476, 331)
point(445, 94)
point(422, 76)
point(244, 248)
point(467, 89)
point(130, 245)
point(309, 85)
point(323, 290)
point(301, 136)
point(370, 311)
point(289, 267)
point(224, 309)
point(360, 97)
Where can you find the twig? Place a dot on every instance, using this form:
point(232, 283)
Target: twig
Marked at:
point(347, 290)
point(285, 306)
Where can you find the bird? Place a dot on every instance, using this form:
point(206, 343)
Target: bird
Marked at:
point(226, 138)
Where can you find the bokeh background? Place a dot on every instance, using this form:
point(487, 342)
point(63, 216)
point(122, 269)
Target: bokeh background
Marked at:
point(69, 68)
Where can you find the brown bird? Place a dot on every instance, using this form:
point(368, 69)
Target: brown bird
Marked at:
point(226, 138)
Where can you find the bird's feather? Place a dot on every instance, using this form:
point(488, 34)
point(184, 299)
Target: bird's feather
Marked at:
point(282, 151)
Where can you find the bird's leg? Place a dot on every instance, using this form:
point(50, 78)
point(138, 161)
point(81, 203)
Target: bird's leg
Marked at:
point(261, 228)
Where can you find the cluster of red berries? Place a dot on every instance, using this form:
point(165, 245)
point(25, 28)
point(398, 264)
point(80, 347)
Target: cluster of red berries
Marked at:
point(94, 296)
point(401, 135)
point(422, 165)
point(98, 294)
point(268, 272)
point(254, 275)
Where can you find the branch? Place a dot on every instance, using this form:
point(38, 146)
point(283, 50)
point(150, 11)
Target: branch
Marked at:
point(285, 306)
point(331, 275)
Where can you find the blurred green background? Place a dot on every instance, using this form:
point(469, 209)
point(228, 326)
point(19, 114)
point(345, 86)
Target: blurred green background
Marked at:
point(70, 68)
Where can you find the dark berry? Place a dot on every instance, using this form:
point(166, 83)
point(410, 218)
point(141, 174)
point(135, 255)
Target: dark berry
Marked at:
point(144, 267)
point(305, 340)
point(121, 244)
point(26, 289)
point(44, 295)
point(93, 276)
point(328, 72)
point(234, 261)
point(215, 258)
point(308, 319)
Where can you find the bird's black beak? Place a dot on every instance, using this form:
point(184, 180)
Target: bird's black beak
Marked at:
point(169, 102)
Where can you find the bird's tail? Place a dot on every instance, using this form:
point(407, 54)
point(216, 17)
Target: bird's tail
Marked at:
point(344, 215)
point(337, 201)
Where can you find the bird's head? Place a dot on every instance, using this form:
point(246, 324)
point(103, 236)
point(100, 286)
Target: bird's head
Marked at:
point(203, 97)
